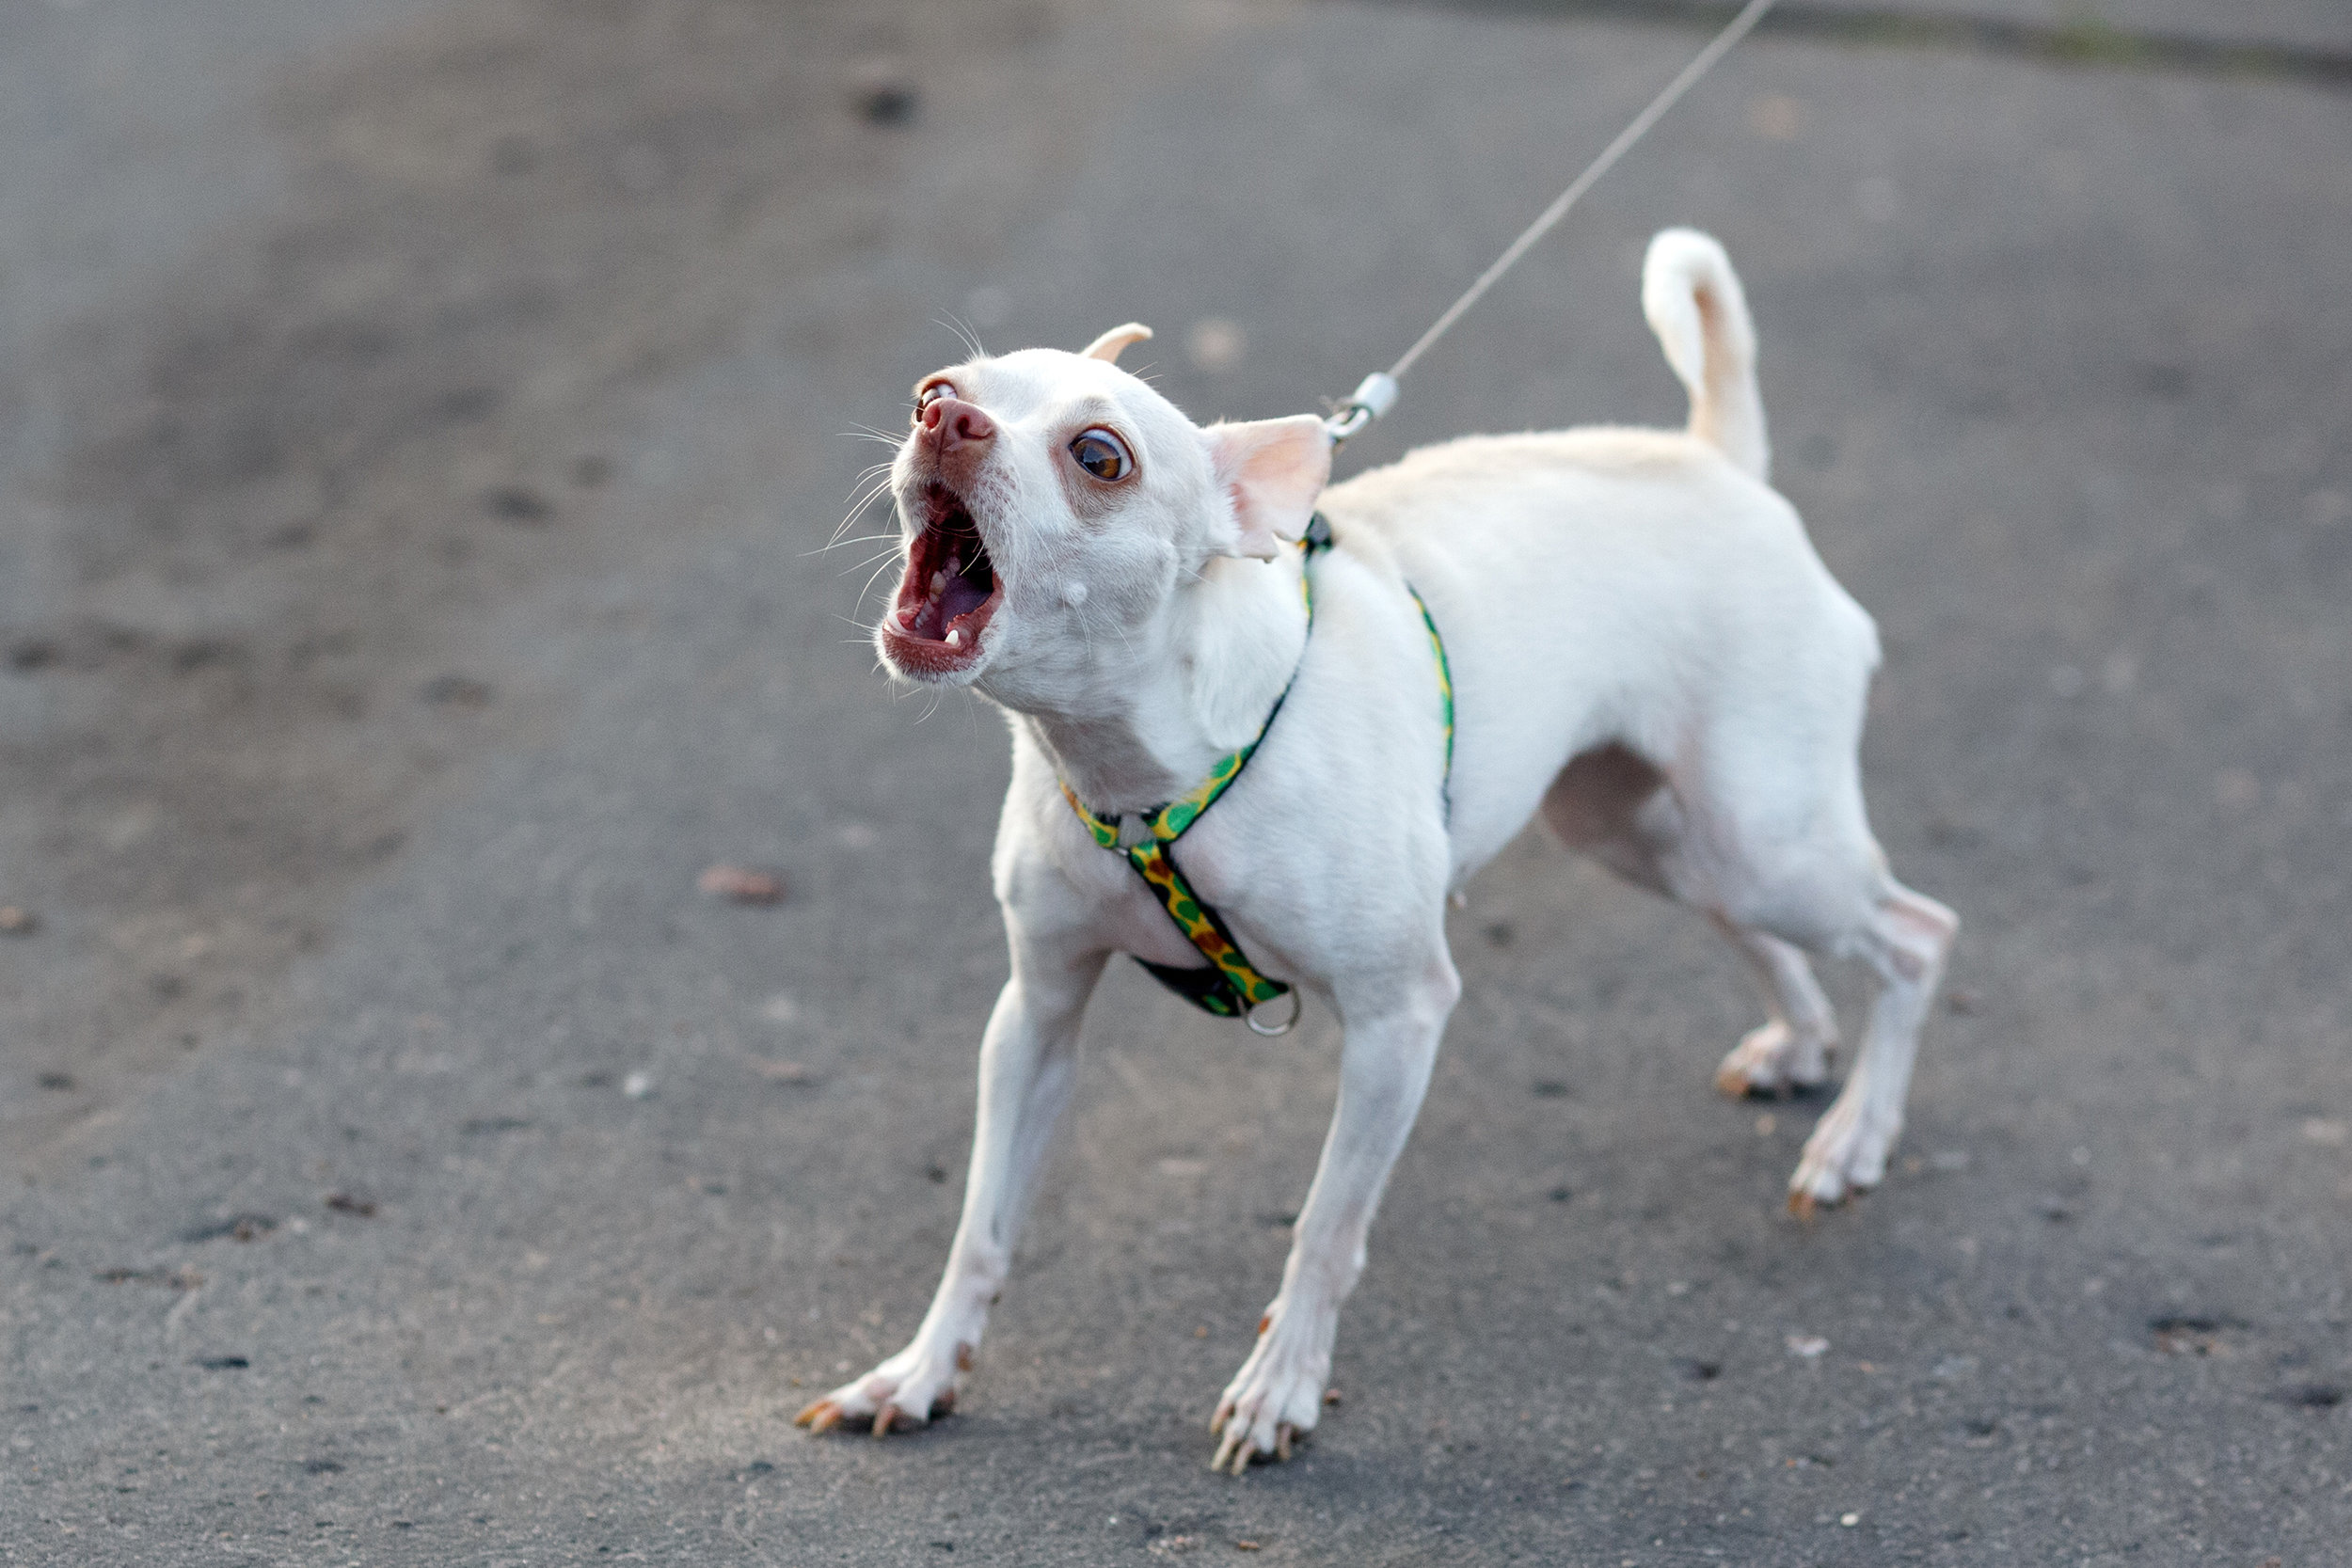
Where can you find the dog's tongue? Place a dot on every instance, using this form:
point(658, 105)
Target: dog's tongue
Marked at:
point(952, 595)
point(960, 597)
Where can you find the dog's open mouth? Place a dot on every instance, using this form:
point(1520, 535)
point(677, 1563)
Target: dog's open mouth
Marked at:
point(949, 592)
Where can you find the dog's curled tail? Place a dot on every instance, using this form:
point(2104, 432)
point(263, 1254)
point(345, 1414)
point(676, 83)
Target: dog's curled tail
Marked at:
point(1693, 302)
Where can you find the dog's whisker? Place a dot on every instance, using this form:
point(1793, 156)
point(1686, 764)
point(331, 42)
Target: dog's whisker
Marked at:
point(859, 506)
point(891, 539)
point(862, 503)
point(873, 569)
point(970, 339)
point(868, 586)
point(872, 482)
point(841, 537)
point(874, 564)
point(888, 549)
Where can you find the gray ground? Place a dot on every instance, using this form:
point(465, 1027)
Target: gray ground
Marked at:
point(417, 423)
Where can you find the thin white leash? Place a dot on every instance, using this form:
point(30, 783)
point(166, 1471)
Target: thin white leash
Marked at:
point(1378, 394)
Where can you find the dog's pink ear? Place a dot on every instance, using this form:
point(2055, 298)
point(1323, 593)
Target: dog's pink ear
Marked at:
point(1107, 347)
point(1273, 470)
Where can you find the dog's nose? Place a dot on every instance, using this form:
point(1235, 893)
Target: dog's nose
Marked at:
point(951, 423)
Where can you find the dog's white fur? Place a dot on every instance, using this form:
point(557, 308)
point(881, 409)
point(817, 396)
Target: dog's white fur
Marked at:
point(1645, 649)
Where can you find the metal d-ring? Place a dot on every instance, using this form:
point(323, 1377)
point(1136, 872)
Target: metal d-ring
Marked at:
point(1270, 1031)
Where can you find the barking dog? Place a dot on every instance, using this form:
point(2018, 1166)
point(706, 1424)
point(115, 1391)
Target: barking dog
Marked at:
point(1626, 630)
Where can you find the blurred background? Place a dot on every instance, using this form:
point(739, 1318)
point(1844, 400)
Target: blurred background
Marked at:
point(421, 429)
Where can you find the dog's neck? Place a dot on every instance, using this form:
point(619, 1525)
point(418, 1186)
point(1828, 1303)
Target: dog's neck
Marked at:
point(1153, 710)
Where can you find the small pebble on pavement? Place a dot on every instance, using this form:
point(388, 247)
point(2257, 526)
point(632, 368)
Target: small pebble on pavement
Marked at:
point(741, 885)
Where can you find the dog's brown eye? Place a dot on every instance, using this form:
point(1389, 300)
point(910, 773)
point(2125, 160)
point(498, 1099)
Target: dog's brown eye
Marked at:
point(1102, 454)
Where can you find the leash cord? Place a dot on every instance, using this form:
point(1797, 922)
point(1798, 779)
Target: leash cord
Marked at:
point(1378, 394)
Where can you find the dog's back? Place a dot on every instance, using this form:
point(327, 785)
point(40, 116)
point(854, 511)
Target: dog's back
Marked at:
point(1622, 585)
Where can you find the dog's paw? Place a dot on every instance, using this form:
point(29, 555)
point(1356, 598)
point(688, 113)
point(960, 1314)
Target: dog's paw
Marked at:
point(1773, 1060)
point(905, 1391)
point(1276, 1398)
point(1846, 1154)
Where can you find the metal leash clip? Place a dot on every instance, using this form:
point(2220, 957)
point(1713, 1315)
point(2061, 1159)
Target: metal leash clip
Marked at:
point(1374, 396)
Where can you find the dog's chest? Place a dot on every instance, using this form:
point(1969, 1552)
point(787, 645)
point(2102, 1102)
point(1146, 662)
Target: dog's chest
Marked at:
point(1127, 914)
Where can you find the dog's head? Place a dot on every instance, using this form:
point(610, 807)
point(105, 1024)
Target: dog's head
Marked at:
point(1051, 504)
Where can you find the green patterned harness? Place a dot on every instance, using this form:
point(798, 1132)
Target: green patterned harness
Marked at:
point(1231, 987)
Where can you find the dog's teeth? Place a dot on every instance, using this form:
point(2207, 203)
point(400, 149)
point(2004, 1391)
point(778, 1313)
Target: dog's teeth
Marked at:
point(954, 636)
point(939, 582)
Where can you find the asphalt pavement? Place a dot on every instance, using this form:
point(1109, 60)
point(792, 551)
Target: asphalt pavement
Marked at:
point(422, 428)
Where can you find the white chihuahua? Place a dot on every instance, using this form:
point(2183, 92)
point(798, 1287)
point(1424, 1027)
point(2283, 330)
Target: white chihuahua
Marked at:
point(1626, 630)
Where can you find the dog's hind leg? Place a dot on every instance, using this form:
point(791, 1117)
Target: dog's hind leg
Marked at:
point(1392, 1030)
point(1800, 867)
point(1782, 871)
point(1615, 805)
point(1905, 937)
point(1791, 1050)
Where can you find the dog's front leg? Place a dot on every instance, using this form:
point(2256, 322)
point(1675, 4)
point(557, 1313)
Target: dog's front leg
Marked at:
point(1391, 1045)
point(1027, 1061)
